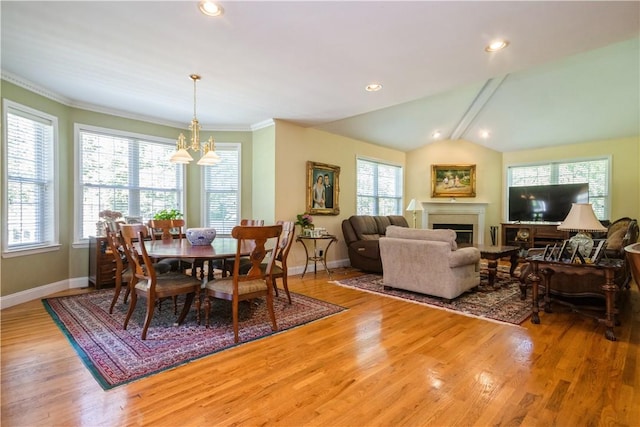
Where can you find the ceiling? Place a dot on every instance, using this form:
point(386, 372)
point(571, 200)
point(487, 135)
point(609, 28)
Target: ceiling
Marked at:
point(570, 74)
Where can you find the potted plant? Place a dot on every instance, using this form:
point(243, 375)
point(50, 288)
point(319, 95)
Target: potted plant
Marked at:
point(168, 214)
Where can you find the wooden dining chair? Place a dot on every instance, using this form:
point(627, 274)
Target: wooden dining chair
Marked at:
point(279, 269)
point(123, 272)
point(166, 229)
point(153, 286)
point(257, 282)
point(226, 265)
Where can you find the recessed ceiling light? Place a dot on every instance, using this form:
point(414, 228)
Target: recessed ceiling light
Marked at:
point(436, 134)
point(210, 8)
point(373, 87)
point(497, 45)
point(484, 134)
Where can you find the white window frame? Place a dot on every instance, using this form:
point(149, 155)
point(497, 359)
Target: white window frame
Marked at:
point(79, 240)
point(220, 147)
point(399, 197)
point(52, 241)
point(555, 164)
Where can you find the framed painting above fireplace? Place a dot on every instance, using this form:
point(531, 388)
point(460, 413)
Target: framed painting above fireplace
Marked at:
point(453, 180)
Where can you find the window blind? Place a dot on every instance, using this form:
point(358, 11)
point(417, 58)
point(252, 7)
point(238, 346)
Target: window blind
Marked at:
point(222, 190)
point(379, 188)
point(30, 186)
point(128, 174)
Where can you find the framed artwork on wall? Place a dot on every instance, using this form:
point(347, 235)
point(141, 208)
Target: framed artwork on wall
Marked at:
point(453, 180)
point(323, 189)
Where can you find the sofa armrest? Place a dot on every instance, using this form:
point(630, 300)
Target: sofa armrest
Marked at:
point(366, 248)
point(464, 256)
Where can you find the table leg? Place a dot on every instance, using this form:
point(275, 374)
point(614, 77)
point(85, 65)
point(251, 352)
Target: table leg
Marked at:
point(514, 263)
point(610, 290)
point(535, 282)
point(306, 258)
point(492, 266)
point(324, 258)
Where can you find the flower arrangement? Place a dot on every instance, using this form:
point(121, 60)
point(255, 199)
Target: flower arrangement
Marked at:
point(110, 215)
point(305, 220)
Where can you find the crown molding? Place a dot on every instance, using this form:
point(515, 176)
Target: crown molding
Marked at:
point(39, 90)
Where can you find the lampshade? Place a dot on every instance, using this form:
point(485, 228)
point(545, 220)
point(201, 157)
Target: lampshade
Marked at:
point(581, 218)
point(414, 206)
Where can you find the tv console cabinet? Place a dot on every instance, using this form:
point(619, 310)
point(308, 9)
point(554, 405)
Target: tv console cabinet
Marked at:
point(531, 234)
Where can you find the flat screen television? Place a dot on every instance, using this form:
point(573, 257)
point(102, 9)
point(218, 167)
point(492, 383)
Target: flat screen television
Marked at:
point(548, 203)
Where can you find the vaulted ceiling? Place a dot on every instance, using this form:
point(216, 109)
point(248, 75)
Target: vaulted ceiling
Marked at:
point(570, 74)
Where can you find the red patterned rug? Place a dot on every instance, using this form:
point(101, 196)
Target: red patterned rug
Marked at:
point(502, 304)
point(115, 356)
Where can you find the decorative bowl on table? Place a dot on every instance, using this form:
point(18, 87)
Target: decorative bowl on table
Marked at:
point(201, 236)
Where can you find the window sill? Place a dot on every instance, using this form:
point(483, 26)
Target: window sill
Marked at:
point(30, 251)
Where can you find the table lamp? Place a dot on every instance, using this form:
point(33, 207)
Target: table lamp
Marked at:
point(582, 219)
point(414, 206)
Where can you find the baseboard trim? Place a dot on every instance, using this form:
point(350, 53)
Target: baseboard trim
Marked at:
point(42, 291)
point(82, 282)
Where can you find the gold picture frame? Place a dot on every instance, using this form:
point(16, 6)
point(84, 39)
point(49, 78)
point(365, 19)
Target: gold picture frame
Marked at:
point(453, 180)
point(323, 197)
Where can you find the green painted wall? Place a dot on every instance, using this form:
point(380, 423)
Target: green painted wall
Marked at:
point(274, 162)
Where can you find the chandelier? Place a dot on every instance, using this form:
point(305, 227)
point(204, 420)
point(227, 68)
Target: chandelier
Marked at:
point(182, 156)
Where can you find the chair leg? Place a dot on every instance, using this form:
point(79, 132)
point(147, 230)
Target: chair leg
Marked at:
point(116, 293)
point(235, 319)
point(207, 308)
point(286, 286)
point(126, 294)
point(150, 306)
point(272, 314)
point(187, 306)
point(132, 306)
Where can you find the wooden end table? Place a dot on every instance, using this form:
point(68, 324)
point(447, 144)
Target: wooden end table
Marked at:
point(542, 270)
point(493, 253)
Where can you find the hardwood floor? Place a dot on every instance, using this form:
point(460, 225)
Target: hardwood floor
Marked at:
point(383, 362)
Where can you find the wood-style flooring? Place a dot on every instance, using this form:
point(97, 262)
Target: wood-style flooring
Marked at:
point(383, 362)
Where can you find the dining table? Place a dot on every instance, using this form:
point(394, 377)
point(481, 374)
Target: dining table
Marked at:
point(222, 248)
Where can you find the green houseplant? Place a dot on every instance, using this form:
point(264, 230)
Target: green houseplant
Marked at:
point(168, 214)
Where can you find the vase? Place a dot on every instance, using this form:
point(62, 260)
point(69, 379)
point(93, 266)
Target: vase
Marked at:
point(307, 230)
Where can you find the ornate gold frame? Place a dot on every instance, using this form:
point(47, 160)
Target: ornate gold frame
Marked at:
point(314, 170)
point(453, 180)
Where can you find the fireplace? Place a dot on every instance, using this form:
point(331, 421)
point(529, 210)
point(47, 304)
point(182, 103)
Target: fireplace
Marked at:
point(469, 218)
point(464, 233)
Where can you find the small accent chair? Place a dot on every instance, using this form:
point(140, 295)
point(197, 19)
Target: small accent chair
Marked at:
point(257, 282)
point(151, 285)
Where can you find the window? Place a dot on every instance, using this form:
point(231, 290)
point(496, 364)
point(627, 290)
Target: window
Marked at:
point(124, 172)
point(379, 188)
point(594, 171)
point(29, 183)
point(222, 190)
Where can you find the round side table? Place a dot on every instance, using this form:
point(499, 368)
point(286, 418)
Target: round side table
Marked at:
point(317, 254)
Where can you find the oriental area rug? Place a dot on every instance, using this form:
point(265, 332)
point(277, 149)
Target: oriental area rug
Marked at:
point(116, 357)
point(502, 304)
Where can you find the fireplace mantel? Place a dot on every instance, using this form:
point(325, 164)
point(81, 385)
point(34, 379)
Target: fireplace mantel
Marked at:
point(456, 212)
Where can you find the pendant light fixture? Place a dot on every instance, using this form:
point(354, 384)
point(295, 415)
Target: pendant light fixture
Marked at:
point(182, 156)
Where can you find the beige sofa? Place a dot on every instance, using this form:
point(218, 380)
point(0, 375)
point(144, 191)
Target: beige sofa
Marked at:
point(428, 262)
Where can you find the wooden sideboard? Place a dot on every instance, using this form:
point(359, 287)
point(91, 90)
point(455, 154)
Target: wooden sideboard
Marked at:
point(532, 235)
point(102, 266)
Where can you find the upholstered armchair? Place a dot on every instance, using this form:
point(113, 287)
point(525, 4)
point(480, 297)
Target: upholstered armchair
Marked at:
point(428, 262)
